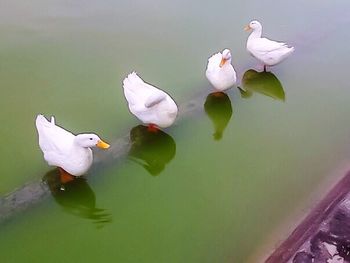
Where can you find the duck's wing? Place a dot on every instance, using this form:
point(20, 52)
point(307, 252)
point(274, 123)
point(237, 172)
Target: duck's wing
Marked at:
point(53, 138)
point(264, 45)
point(154, 99)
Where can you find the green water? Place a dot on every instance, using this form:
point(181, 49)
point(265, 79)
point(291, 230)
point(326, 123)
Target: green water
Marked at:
point(215, 185)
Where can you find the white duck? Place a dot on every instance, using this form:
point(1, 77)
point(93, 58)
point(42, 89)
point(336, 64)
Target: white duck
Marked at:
point(220, 72)
point(267, 51)
point(65, 150)
point(149, 104)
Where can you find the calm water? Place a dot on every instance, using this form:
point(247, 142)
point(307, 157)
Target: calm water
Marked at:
point(213, 187)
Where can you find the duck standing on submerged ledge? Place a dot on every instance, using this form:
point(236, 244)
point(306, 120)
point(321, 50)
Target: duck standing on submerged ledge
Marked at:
point(70, 153)
point(220, 71)
point(149, 104)
point(267, 51)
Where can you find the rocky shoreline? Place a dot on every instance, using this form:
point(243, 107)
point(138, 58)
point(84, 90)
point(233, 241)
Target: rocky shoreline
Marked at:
point(324, 235)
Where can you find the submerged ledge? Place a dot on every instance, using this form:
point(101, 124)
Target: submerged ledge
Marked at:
point(324, 234)
point(32, 193)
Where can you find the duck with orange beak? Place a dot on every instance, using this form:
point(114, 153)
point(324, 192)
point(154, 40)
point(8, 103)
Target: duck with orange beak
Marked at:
point(71, 153)
point(269, 52)
point(220, 71)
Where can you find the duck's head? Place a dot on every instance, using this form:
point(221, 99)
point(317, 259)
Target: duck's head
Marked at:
point(253, 25)
point(90, 140)
point(226, 57)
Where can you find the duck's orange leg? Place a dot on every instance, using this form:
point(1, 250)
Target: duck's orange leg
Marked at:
point(65, 177)
point(152, 128)
point(218, 94)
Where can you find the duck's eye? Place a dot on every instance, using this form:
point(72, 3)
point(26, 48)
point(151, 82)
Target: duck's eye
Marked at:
point(91, 139)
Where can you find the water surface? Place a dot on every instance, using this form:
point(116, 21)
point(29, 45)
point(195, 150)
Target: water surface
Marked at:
point(218, 182)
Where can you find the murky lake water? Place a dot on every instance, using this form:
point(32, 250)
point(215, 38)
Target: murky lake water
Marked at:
point(213, 187)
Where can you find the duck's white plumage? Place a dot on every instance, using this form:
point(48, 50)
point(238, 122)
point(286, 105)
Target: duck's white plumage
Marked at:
point(63, 149)
point(148, 103)
point(267, 51)
point(221, 77)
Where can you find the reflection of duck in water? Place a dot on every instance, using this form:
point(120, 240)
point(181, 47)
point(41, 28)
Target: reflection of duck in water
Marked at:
point(265, 83)
point(76, 197)
point(219, 109)
point(152, 150)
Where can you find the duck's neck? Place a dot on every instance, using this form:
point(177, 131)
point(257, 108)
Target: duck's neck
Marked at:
point(78, 145)
point(255, 34)
point(227, 64)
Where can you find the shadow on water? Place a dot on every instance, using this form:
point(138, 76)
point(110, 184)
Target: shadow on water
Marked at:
point(219, 109)
point(265, 83)
point(77, 198)
point(152, 150)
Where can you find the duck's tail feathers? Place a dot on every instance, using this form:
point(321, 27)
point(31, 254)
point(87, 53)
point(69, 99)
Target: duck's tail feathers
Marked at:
point(42, 121)
point(132, 80)
point(291, 49)
point(53, 120)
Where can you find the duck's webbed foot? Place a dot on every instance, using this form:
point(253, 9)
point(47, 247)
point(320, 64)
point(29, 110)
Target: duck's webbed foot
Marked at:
point(152, 128)
point(218, 94)
point(65, 177)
